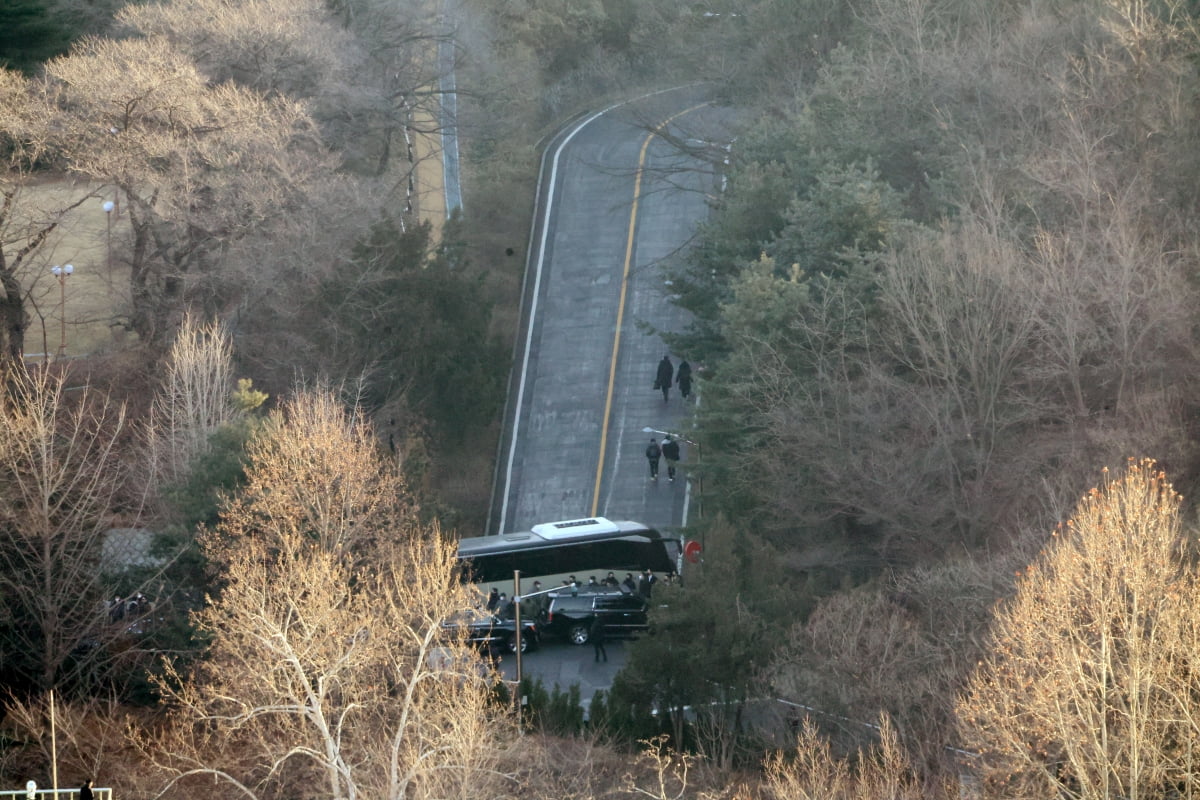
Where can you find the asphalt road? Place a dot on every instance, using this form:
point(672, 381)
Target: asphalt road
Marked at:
point(616, 203)
point(560, 664)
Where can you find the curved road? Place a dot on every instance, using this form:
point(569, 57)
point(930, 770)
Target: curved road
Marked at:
point(615, 200)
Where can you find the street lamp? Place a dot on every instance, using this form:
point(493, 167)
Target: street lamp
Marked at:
point(672, 435)
point(61, 274)
point(108, 207)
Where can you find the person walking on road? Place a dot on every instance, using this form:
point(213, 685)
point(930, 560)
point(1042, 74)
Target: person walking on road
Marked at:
point(596, 634)
point(662, 380)
point(683, 377)
point(85, 791)
point(653, 453)
point(670, 451)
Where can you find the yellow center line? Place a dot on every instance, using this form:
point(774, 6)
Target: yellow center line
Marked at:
point(612, 367)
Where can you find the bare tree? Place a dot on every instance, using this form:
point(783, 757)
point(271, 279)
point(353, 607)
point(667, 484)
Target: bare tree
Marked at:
point(315, 473)
point(26, 227)
point(865, 651)
point(195, 399)
point(330, 673)
point(87, 738)
point(958, 325)
point(203, 168)
point(59, 478)
point(1088, 690)
point(273, 47)
point(812, 771)
point(369, 69)
point(885, 394)
point(403, 51)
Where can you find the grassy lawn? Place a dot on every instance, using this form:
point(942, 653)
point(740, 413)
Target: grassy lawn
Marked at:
point(81, 308)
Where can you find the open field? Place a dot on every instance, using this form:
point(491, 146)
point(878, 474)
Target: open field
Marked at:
point(75, 315)
point(78, 314)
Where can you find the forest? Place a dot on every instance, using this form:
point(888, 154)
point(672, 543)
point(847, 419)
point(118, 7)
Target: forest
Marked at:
point(943, 329)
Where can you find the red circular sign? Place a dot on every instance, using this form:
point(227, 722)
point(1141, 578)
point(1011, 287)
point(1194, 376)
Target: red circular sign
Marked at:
point(691, 551)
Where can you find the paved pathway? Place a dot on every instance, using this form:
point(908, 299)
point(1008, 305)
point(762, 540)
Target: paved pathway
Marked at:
point(560, 665)
point(616, 202)
point(582, 389)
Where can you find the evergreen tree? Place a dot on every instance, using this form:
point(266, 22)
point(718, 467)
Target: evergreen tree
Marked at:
point(29, 34)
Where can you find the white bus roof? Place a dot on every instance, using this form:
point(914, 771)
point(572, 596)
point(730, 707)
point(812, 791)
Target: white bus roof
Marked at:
point(571, 528)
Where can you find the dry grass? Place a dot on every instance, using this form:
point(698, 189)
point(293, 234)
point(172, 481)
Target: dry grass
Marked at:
point(587, 768)
point(429, 196)
point(85, 311)
point(82, 311)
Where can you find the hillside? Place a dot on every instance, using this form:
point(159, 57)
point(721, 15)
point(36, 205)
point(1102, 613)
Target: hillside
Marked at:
point(948, 282)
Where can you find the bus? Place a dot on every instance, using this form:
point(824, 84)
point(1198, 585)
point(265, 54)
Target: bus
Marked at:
point(570, 546)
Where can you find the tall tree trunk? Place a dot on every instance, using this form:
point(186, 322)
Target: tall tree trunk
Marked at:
point(13, 318)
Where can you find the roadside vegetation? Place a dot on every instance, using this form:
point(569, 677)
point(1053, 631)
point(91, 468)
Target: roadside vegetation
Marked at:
point(949, 280)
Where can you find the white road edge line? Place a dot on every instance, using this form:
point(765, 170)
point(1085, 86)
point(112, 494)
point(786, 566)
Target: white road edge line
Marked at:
point(537, 284)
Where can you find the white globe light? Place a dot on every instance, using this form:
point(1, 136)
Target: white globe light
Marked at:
point(108, 206)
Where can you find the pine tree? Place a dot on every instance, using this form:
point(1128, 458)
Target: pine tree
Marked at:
point(29, 34)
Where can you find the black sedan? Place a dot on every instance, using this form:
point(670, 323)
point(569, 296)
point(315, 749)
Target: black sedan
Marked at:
point(490, 634)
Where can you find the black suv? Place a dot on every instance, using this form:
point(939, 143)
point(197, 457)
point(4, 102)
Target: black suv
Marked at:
point(570, 615)
point(491, 633)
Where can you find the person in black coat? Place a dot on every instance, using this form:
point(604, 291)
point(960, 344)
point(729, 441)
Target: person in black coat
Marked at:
point(646, 584)
point(535, 607)
point(597, 635)
point(670, 451)
point(683, 377)
point(85, 791)
point(662, 379)
point(652, 455)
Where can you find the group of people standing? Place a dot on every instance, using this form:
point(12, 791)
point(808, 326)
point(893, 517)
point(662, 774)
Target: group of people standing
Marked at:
point(133, 606)
point(500, 604)
point(668, 448)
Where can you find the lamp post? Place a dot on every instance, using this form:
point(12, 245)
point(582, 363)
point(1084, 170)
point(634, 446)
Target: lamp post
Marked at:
point(519, 598)
point(61, 274)
point(673, 436)
point(517, 630)
point(108, 207)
